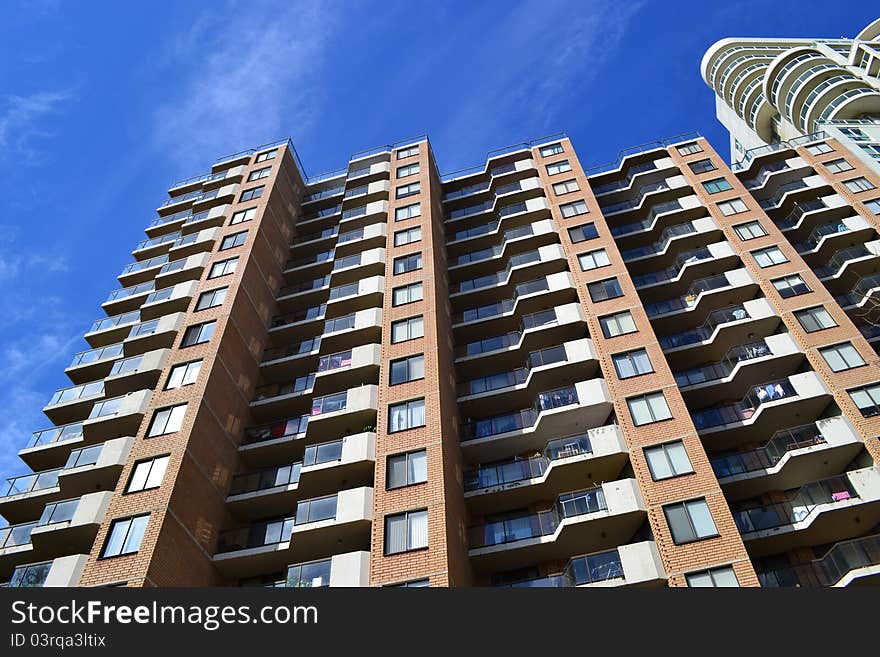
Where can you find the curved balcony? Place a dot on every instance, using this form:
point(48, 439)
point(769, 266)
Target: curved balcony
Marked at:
point(820, 512)
point(848, 563)
point(791, 457)
point(593, 519)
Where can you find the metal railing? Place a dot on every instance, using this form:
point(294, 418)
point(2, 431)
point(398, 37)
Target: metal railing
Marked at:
point(690, 298)
point(498, 152)
point(770, 453)
point(744, 409)
point(522, 419)
point(641, 148)
point(842, 558)
point(725, 366)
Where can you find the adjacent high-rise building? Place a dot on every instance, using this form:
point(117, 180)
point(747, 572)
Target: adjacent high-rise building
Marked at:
point(773, 90)
point(658, 372)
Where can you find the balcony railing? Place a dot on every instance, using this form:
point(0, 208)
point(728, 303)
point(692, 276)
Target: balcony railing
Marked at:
point(155, 241)
point(491, 382)
point(252, 482)
point(323, 256)
point(764, 173)
point(144, 328)
point(492, 252)
point(16, 535)
point(521, 419)
point(95, 355)
point(770, 453)
point(299, 386)
point(621, 206)
point(725, 366)
point(660, 245)
point(533, 320)
point(30, 483)
point(66, 395)
point(289, 428)
point(56, 435)
point(475, 231)
point(627, 179)
point(335, 361)
point(499, 277)
point(744, 409)
point(721, 316)
point(315, 574)
point(796, 509)
point(840, 258)
point(320, 235)
point(305, 286)
point(543, 523)
point(588, 569)
point(329, 403)
point(638, 226)
point(800, 209)
point(670, 273)
point(861, 290)
point(83, 456)
point(126, 292)
point(690, 298)
point(776, 199)
point(523, 469)
point(145, 264)
point(841, 559)
point(324, 193)
point(818, 233)
point(297, 349)
point(30, 576)
point(261, 534)
point(58, 512)
point(302, 315)
point(316, 509)
point(504, 306)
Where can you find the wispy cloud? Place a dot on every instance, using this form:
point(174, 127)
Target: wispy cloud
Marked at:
point(247, 78)
point(24, 122)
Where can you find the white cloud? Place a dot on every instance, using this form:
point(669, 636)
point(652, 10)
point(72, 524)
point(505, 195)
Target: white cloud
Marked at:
point(249, 79)
point(23, 121)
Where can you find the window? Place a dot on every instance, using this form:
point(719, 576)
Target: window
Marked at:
point(406, 415)
point(551, 149)
point(407, 329)
point(566, 187)
point(408, 236)
point(268, 155)
point(183, 375)
point(860, 184)
point(819, 149)
point(632, 363)
point(719, 577)
point(258, 174)
point(873, 150)
point(407, 294)
point(668, 460)
point(406, 531)
point(867, 399)
point(558, 167)
point(594, 260)
point(408, 212)
point(243, 215)
point(732, 206)
point(408, 190)
point(211, 298)
point(251, 194)
point(647, 409)
point(838, 166)
point(407, 369)
point(407, 469)
point(409, 151)
point(750, 230)
point(856, 134)
point(574, 209)
point(147, 474)
point(167, 420)
point(841, 357)
point(406, 263)
point(232, 241)
point(617, 324)
point(717, 185)
point(198, 333)
point(873, 205)
point(702, 166)
point(583, 233)
point(689, 148)
point(604, 290)
point(790, 286)
point(814, 319)
point(125, 536)
point(223, 267)
point(690, 521)
point(769, 256)
point(408, 170)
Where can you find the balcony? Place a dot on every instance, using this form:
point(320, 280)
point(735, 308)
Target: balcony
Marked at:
point(351, 569)
point(136, 272)
point(357, 295)
point(800, 397)
point(858, 297)
point(634, 564)
point(680, 236)
point(660, 214)
point(810, 212)
point(117, 416)
point(529, 265)
point(154, 246)
point(741, 367)
point(127, 299)
point(372, 236)
point(93, 364)
point(848, 264)
point(849, 563)
point(73, 404)
point(111, 329)
point(69, 525)
point(777, 196)
point(830, 237)
point(341, 521)
point(510, 216)
point(593, 519)
point(182, 270)
point(824, 511)
point(135, 373)
point(94, 467)
point(193, 243)
point(511, 242)
point(60, 572)
point(23, 497)
point(792, 456)
point(48, 448)
point(635, 175)
point(686, 267)
point(198, 221)
point(730, 288)
point(525, 166)
point(290, 397)
point(565, 411)
point(597, 455)
point(322, 466)
point(153, 334)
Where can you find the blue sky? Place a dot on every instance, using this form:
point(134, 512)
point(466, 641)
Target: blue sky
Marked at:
point(103, 104)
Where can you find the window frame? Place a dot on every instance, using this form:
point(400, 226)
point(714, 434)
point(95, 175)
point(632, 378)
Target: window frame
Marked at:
point(687, 514)
point(406, 456)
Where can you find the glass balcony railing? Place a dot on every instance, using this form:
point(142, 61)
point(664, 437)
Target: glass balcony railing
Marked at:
point(347, 261)
point(653, 213)
point(841, 559)
point(320, 235)
point(521, 419)
point(160, 295)
point(324, 212)
point(299, 386)
point(725, 366)
point(316, 510)
point(95, 355)
point(764, 173)
point(322, 453)
point(289, 428)
point(800, 209)
point(302, 315)
point(588, 569)
point(744, 409)
point(356, 191)
point(533, 320)
point(261, 534)
point(476, 231)
point(58, 512)
point(189, 196)
point(177, 216)
point(541, 357)
point(543, 523)
point(83, 456)
point(704, 332)
point(497, 278)
point(297, 349)
point(504, 306)
point(351, 236)
point(690, 298)
point(107, 407)
point(144, 328)
point(818, 233)
point(860, 291)
point(344, 323)
point(797, 508)
point(342, 291)
point(176, 265)
point(268, 478)
point(318, 258)
point(670, 273)
point(315, 574)
point(56, 435)
point(195, 218)
point(840, 258)
point(627, 179)
point(66, 395)
point(29, 483)
point(776, 199)
point(660, 245)
point(622, 206)
point(125, 292)
point(305, 286)
point(770, 453)
point(335, 361)
point(509, 472)
point(126, 365)
point(16, 535)
point(325, 193)
point(329, 403)
point(31, 576)
point(145, 264)
point(156, 241)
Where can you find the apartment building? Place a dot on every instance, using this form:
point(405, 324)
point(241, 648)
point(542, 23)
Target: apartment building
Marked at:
point(659, 372)
point(772, 90)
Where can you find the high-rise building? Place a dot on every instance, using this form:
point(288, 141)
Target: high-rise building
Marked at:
point(773, 90)
point(657, 372)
